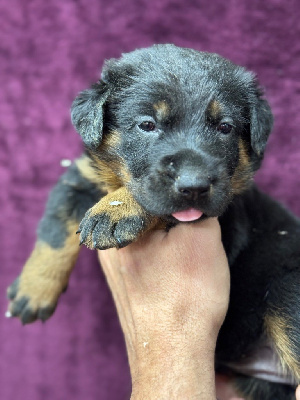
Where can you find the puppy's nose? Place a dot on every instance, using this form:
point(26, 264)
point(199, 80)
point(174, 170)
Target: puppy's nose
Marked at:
point(192, 187)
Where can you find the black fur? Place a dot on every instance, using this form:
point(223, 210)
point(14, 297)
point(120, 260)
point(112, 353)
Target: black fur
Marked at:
point(69, 200)
point(256, 389)
point(88, 118)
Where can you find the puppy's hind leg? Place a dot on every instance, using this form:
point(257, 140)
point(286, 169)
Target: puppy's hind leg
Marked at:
point(34, 294)
point(282, 321)
point(282, 327)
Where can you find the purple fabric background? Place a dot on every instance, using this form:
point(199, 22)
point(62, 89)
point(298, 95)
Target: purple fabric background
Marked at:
point(49, 51)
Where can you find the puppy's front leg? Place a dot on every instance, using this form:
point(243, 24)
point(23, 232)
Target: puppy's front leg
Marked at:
point(34, 294)
point(115, 221)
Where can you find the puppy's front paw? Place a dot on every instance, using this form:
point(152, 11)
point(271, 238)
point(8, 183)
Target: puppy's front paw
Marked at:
point(115, 221)
point(101, 231)
point(35, 293)
point(30, 301)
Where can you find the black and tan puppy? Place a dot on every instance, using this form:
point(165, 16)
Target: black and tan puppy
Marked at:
point(172, 135)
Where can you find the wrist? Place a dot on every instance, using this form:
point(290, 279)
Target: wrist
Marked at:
point(173, 379)
point(173, 371)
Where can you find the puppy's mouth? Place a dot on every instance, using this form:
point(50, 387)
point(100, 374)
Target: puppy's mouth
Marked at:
point(188, 215)
point(165, 199)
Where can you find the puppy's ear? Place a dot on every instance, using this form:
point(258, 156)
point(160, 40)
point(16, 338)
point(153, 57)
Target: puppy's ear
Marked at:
point(261, 122)
point(87, 113)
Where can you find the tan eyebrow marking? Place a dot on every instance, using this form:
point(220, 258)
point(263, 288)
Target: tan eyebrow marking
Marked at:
point(214, 109)
point(162, 109)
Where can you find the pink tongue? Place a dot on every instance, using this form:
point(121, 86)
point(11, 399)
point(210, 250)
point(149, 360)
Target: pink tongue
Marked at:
point(188, 215)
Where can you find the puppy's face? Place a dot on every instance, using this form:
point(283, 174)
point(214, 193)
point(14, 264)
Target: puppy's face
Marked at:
point(184, 130)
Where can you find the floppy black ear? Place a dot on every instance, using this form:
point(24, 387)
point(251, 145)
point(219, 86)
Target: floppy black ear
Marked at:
point(87, 114)
point(260, 124)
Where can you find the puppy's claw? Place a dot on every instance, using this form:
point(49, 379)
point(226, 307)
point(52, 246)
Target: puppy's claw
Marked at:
point(77, 232)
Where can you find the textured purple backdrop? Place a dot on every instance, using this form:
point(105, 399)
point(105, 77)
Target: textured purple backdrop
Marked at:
point(49, 51)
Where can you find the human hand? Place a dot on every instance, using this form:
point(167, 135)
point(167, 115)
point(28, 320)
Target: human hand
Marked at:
point(171, 291)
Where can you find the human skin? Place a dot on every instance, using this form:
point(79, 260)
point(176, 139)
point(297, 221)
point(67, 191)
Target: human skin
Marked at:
point(171, 310)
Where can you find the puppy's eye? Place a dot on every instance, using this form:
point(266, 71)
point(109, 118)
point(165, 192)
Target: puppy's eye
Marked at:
point(225, 128)
point(147, 126)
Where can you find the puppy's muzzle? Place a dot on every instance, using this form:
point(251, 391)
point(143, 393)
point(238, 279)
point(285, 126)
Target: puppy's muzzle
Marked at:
point(190, 174)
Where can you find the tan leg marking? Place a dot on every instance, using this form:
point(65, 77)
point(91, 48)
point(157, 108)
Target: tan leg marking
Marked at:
point(46, 273)
point(278, 329)
point(117, 220)
point(127, 205)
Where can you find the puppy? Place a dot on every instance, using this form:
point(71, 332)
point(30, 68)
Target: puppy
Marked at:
point(171, 135)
